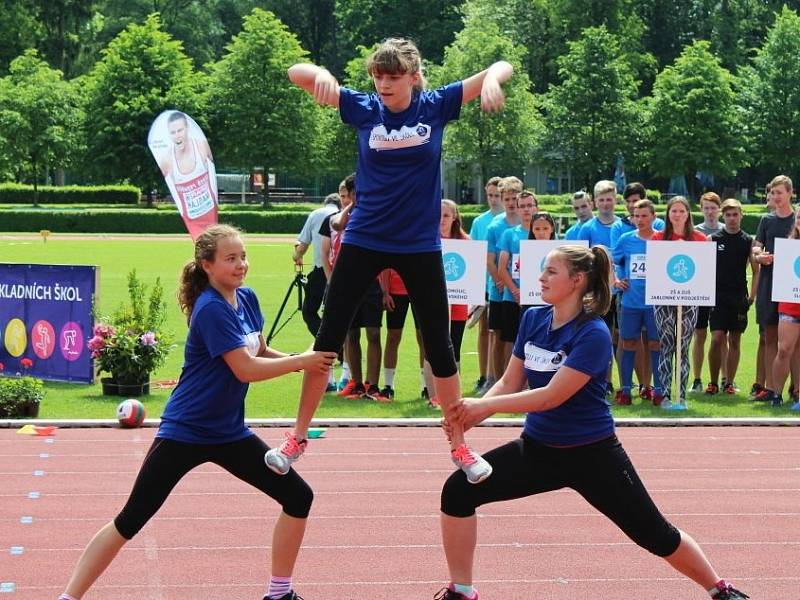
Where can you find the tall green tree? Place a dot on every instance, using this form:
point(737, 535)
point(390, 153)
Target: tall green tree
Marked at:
point(67, 26)
point(693, 117)
point(39, 119)
point(501, 142)
point(142, 73)
point(431, 24)
point(592, 116)
point(770, 95)
point(257, 116)
point(19, 30)
point(539, 60)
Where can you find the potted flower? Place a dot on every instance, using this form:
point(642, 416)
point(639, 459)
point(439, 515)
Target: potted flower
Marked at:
point(128, 345)
point(20, 396)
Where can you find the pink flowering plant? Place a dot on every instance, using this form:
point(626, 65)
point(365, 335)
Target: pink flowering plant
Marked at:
point(129, 345)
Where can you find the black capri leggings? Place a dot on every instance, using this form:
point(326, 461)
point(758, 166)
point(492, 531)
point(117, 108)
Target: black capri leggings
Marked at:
point(423, 274)
point(600, 472)
point(168, 461)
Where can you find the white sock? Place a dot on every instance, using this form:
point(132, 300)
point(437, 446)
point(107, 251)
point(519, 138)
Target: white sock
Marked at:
point(345, 370)
point(388, 376)
point(422, 378)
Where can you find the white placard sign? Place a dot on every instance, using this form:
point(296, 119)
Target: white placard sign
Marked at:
point(465, 270)
point(786, 286)
point(681, 273)
point(532, 254)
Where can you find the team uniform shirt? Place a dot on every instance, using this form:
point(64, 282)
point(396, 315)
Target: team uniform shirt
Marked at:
point(510, 243)
point(596, 232)
point(630, 255)
point(583, 345)
point(658, 236)
point(789, 308)
point(480, 231)
point(207, 405)
point(574, 231)
point(733, 256)
point(495, 234)
point(625, 224)
point(399, 168)
point(395, 285)
point(706, 230)
point(310, 235)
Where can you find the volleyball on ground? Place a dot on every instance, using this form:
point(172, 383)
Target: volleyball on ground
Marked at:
point(130, 413)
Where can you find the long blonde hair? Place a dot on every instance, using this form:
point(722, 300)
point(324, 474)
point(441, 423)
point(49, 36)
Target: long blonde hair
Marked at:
point(397, 56)
point(193, 278)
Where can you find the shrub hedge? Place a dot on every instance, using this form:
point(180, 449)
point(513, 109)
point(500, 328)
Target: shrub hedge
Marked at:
point(144, 220)
point(15, 193)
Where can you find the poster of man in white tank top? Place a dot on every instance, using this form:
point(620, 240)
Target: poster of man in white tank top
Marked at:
point(184, 157)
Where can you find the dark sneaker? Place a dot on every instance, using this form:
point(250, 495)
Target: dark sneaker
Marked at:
point(711, 389)
point(480, 383)
point(374, 393)
point(424, 394)
point(449, 593)
point(290, 596)
point(776, 400)
point(388, 392)
point(763, 395)
point(794, 395)
point(730, 388)
point(757, 387)
point(728, 592)
point(697, 386)
point(357, 392)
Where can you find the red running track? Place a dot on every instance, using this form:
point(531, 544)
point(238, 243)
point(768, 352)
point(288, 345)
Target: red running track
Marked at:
point(374, 527)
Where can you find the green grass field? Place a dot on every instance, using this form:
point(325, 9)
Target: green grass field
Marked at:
point(271, 272)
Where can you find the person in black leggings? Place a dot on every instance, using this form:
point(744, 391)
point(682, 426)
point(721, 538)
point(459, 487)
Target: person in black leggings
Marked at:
point(203, 420)
point(562, 353)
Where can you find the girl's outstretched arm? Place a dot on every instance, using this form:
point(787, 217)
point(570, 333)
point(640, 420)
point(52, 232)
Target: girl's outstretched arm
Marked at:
point(486, 84)
point(317, 81)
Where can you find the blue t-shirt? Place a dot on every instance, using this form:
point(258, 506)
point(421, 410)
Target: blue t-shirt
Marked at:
point(596, 232)
point(624, 225)
point(398, 175)
point(497, 228)
point(480, 225)
point(630, 254)
point(573, 232)
point(510, 243)
point(207, 405)
point(581, 345)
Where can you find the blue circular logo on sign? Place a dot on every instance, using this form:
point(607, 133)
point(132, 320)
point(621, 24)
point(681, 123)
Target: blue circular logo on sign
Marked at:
point(454, 266)
point(797, 267)
point(680, 268)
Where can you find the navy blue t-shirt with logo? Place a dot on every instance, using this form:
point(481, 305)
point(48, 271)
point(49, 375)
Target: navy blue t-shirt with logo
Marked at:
point(207, 405)
point(583, 345)
point(398, 176)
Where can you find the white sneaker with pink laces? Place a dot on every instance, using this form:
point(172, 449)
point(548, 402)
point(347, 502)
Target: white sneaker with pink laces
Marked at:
point(280, 459)
point(473, 464)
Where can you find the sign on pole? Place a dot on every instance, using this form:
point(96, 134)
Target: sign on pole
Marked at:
point(184, 157)
point(465, 270)
point(786, 287)
point(681, 273)
point(531, 264)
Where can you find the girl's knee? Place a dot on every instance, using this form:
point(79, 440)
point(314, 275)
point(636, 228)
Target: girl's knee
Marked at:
point(456, 497)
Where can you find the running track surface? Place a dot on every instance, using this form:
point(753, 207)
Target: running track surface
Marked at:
point(374, 527)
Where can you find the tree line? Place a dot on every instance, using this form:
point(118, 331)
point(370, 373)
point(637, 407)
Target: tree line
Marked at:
point(671, 89)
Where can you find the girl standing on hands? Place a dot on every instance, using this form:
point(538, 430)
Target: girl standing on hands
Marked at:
point(203, 420)
point(562, 353)
point(395, 222)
